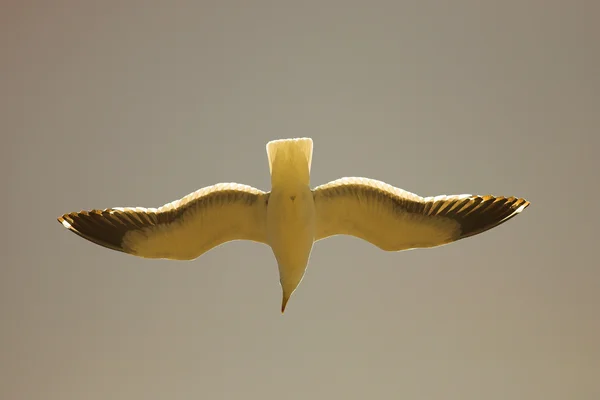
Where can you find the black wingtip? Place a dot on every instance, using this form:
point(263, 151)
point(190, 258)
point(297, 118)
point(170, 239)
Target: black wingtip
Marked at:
point(95, 227)
point(487, 212)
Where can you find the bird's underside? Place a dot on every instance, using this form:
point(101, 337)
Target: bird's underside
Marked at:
point(388, 217)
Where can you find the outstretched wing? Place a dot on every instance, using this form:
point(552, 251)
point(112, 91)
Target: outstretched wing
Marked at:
point(180, 230)
point(394, 219)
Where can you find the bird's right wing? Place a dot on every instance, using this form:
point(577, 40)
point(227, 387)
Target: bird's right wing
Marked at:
point(180, 230)
point(394, 219)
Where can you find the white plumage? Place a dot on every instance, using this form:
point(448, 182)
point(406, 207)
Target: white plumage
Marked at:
point(292, 216)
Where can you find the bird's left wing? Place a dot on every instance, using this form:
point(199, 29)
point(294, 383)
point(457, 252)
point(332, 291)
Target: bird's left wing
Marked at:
point(181, 230)
point(394, 219)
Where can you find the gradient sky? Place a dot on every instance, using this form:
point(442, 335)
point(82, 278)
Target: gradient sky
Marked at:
point(131, 103)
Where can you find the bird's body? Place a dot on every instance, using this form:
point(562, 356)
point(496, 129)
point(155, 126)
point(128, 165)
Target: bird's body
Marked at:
point(292, 217)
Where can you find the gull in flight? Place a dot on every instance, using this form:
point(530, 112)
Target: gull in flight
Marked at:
point(292, 216)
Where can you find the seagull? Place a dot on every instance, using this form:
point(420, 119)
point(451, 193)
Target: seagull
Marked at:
point(292, 217)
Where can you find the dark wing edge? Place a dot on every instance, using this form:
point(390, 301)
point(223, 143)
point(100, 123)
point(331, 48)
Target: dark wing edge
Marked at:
point(475, 214)
point(108, 227)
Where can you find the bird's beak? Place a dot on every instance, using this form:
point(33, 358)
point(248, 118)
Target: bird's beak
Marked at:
point(284, 302)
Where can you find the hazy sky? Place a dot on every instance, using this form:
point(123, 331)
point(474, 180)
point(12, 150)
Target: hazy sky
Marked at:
point(131, 103)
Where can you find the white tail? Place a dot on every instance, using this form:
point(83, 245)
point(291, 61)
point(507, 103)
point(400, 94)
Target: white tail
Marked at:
point(290, 151)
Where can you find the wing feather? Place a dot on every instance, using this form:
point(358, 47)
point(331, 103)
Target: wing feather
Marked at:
point(394, 219)
point(183, 229)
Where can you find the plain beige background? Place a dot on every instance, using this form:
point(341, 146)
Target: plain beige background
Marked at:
point(123, 103)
